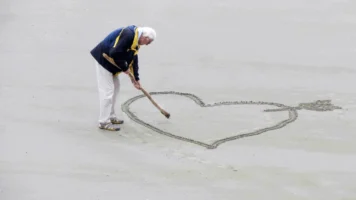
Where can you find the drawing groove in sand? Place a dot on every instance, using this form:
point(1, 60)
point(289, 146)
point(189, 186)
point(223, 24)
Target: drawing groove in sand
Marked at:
point(319, 105)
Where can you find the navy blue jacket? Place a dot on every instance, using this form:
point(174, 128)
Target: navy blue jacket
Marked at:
point(121, 45)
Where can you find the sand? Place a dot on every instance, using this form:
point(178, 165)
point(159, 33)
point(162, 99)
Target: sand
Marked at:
point(286, 52)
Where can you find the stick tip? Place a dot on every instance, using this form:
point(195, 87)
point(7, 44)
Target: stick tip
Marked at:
point(167, 115)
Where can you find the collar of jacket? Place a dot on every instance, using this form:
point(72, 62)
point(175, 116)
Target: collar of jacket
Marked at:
point(135, 46)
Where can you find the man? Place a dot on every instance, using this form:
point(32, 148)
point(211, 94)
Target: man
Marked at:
point(122, 45)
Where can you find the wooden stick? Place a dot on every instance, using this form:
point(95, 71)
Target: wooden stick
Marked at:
point(166, 114)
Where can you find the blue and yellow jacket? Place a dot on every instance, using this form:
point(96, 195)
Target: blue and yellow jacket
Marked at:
point(121, 45)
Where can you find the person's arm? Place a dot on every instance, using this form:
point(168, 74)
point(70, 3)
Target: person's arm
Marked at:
point(120, 47)
point(136, 68)
point(136, 83)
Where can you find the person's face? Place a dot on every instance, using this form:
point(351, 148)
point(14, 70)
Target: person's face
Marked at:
point(144, 41)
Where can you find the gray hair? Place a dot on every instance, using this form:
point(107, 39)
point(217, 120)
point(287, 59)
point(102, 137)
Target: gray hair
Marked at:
point(148, 32)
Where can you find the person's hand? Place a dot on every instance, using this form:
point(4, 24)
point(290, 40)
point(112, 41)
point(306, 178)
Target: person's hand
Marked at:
point(127, 72)
point(137, 85)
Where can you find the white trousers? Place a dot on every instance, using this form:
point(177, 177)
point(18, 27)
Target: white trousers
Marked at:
point(109, 88)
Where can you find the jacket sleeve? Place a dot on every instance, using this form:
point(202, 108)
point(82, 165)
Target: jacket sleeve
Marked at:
point(120, 47)
point(135, 68)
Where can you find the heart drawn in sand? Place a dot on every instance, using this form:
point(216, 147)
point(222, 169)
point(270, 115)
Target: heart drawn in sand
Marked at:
point(319, 105)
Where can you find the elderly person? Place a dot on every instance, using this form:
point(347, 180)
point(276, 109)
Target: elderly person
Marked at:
point(122, 45)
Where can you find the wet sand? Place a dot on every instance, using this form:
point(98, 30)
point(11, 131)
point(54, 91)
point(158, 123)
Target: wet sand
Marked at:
point(286, 52)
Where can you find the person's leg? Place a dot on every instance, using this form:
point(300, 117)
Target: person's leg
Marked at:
point(106, 94)
point(113, 116)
